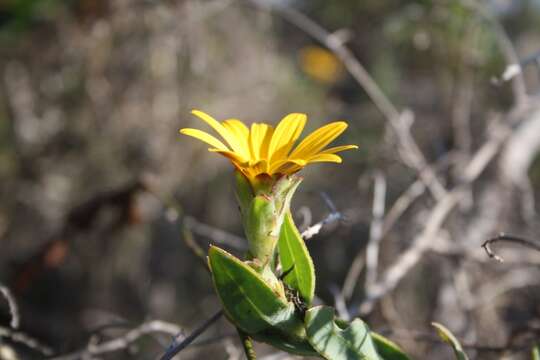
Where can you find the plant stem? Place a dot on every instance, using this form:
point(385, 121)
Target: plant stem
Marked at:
point(247, 343)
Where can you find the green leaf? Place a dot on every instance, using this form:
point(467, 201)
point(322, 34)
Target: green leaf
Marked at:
point(248, 301)
point(336, 343)
point(535, 353)
point(387, 349)
point(293, 254)
point(302, 347)
point(449, 338)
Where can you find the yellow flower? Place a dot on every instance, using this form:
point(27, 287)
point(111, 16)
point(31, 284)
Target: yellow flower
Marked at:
point(265, 150)
point(321, 64)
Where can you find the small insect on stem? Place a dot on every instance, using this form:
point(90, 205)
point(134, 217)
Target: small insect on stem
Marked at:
point(293, 295)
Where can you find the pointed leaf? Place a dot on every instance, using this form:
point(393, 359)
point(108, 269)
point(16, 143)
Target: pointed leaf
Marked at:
point(336, 343)
point(248, 301)
point(387, 349)
point(449, 338)
point(293, 254)
point(298, 347)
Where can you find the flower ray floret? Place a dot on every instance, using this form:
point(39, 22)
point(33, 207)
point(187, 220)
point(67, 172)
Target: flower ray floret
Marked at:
point(263, 149)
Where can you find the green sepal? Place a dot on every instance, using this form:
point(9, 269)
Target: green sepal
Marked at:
point(282, 193)
point(387, 349)
point(450, 339)
point(301, 347)
point(338, 343)
point(294, 255)
point(248, 301)
point(244, 192)
point(264, 216)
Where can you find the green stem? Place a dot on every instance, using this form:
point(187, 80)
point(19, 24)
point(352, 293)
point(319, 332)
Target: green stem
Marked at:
point(247, 343)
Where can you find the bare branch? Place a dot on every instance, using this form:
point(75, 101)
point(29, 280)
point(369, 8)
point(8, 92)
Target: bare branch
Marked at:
point(375, 231)
point(315, 229)
point(332, 217)
point(217, 235)
point(180, 342)
point(402, 204)
point(124, 341)
point(12, 304)
point(513, 70)
point(502, 237)
point(438, 215)
point(375, 236)
point(22, 338)
point(194, 247)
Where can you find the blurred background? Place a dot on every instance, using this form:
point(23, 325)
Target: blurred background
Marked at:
point(102, 201)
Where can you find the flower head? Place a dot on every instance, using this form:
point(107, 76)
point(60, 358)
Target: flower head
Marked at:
point(265, 150)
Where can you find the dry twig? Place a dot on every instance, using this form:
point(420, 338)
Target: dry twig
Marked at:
point(124, 341)
point(25, 339)
point(502, 237)
point(217, 235)
point(180, 342)
point(439, 213)
point(12, 304)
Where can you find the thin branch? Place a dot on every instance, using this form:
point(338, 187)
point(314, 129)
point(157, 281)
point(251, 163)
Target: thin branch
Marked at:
point(315, 229)
point(507, 47)
point(409, 196)
point(22, 338)
point(124, 341)
point(375, 231)
point(438, 215)
point(180, 342)
point(339, 303)
point(372, 249)
point(217, 235)
point(334, 215)
point(502, 237)
point(403, 202)
point(12, 304)
point(194, 247)
point(352, 276)
point(408, 334)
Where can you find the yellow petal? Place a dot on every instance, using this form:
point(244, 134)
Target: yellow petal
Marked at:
point(325, 158)
point(291, 168)
point(318, 139)
point(259, 167)
point(241, 133)
point(207, 138)
point(229, 137)
point(336, 149)
point(233, 156)
point(288, 166)
point(259, 140)
point(285, 135)
point(282, 166)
